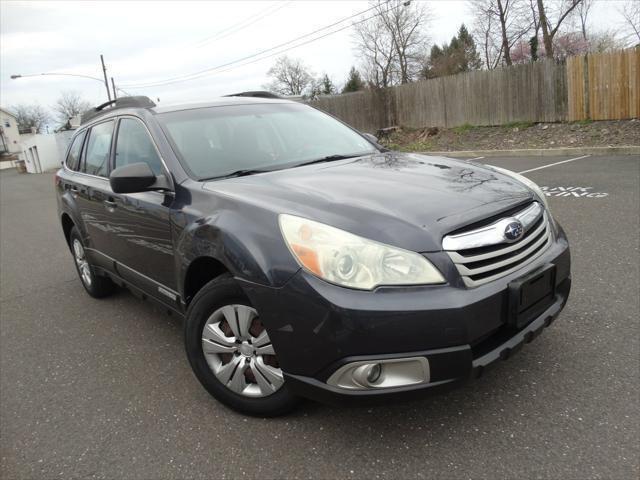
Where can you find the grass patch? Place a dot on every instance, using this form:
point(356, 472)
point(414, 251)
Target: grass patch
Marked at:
point(462, 129)
point(519, 125)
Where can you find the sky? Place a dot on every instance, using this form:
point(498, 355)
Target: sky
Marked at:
point(150, 41)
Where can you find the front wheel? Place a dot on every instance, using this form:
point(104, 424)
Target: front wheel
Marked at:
point(97, 286)
point(231, 353)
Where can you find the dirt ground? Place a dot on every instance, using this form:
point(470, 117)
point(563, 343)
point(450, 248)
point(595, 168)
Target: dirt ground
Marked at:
point(516, 136)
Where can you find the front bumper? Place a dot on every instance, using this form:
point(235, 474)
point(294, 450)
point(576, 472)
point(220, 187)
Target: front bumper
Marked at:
point(316, 327)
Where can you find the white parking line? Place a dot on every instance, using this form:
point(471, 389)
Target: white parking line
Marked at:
point(474, 159)
point(553, 164)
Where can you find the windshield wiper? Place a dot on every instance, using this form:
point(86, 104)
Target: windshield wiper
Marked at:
point(237, 173)
point(328, 158)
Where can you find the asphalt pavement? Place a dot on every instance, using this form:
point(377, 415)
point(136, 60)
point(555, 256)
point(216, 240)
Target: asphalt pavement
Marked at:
point(102, 388)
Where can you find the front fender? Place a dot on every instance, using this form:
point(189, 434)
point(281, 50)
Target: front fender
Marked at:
point(246, 240)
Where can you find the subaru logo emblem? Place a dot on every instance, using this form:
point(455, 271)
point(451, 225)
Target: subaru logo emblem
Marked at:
point(513, 231)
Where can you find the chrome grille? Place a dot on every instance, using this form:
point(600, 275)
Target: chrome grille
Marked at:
point(483, 254)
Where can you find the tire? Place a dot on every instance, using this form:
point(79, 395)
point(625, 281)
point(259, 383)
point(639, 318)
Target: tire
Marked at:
point(253, 387)
point(98, 286)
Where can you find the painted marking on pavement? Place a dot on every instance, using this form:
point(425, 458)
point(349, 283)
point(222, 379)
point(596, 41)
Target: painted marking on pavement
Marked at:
point(553, 164)
point(580, 192)
point(474, 159)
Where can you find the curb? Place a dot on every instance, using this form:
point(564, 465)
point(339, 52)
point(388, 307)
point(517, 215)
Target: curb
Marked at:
point(543, 152)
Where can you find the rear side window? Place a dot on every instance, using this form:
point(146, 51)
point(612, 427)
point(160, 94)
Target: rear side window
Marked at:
point(134, 145)
point(96, 161)
point(73, 159)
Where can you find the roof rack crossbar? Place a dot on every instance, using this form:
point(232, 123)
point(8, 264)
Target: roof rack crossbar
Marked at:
point(122, 102)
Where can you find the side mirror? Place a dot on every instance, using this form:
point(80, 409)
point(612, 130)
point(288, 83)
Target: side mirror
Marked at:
point(133, 178)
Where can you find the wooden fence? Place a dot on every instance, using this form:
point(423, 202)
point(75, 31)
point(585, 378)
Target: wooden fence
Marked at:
point(601, 86)
point(604, 86)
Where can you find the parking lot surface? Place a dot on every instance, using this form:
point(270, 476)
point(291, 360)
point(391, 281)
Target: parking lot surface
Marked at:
point(102, 388)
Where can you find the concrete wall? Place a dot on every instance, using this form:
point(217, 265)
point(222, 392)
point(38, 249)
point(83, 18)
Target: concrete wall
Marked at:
point(40, 152)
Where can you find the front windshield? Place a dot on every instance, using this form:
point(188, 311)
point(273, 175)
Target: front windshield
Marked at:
point(218, 141)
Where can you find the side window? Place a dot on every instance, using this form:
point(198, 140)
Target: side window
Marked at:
point(96, 161)
point(134, 146)
point(73, 159)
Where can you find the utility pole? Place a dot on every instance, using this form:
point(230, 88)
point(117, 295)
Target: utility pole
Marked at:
point(106, 82)
point(113, 84)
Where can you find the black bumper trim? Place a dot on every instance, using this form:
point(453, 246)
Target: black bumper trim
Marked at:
point(456, 363)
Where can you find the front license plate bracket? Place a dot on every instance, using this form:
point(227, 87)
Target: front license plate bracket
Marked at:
point(530, 295)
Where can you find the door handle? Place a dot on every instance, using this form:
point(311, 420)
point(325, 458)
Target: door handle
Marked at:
point(110, 203)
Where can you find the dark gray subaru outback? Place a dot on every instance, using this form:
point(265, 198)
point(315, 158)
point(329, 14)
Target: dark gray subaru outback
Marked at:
point(307, 260)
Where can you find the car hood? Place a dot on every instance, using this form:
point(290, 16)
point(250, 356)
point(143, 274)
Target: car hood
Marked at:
point(407, 200)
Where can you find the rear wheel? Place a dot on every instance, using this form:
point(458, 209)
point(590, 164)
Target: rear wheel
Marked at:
point(97, 286)
point(231, 353)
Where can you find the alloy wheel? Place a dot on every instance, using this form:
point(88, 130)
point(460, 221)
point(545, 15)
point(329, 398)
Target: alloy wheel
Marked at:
point(81, 261)
point(239, 352)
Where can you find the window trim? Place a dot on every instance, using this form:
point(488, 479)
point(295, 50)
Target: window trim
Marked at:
point(71, 142)
point(112, 163)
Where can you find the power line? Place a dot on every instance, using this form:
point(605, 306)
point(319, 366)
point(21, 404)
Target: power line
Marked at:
point(194, 75)
point(224, 33)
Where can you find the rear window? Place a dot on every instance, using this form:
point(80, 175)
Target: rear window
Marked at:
point(73, 159)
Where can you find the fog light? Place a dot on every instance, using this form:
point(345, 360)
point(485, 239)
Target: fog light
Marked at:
point(366, 374)
point(388, 373)
point(374, 373)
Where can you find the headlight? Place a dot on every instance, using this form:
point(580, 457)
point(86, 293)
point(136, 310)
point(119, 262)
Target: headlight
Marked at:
point(528, 183)
point(352, 261)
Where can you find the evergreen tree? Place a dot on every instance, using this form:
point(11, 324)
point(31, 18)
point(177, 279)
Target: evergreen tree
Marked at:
point(354, 82)
point(326, 86)
point(459, 55)
point(470, 58)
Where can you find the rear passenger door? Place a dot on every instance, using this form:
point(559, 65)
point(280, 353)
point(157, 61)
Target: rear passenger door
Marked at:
point(143, 243)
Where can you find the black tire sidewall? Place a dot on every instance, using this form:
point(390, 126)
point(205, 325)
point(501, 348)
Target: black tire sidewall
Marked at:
point(100, 286)
point(222, 291)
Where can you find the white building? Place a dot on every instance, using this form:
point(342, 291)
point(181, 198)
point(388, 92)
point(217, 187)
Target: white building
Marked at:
point(9, 135)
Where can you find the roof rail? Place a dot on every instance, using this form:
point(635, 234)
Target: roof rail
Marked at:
point(257, 93)
point(123, 102)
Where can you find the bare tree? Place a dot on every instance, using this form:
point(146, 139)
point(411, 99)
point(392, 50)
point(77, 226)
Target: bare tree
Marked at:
point(69, 105)
point(392, 41)
point(406, 25)
point(377, 52)
point(485, 28)
point(31, 117)
point(290, 77)
point(605, 41)
point(583, 15)
point(500, 24)
point(631, 14)
point(551, 15)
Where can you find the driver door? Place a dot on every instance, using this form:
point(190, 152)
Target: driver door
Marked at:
point(143, 245)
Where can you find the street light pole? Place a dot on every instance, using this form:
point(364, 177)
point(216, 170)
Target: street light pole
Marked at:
point(106, 82)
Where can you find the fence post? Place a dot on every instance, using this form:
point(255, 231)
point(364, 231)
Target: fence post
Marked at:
point(585, 87)
point(444, 102)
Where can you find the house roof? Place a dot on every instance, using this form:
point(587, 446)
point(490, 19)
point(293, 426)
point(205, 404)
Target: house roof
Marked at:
point(7, 112)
